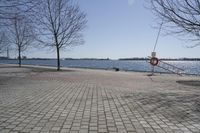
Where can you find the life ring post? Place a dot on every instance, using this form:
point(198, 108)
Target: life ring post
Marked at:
point(154, 61)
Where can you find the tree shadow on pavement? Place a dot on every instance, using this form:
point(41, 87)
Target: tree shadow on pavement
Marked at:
point(189, 82)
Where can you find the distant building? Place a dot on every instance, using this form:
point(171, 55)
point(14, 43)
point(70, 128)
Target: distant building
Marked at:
point(8, 56)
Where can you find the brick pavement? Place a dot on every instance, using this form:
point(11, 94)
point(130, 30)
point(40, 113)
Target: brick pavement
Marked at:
point(82, 101)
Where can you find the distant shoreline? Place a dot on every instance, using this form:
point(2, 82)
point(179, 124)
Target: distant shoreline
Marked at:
point(120, 59)
point(90, 68)
point(164, 59)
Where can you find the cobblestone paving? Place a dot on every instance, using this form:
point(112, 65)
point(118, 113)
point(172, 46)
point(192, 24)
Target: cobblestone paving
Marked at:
point(82, 102)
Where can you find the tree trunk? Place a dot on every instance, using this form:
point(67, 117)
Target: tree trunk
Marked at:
point(58, 58)
point(19, 57)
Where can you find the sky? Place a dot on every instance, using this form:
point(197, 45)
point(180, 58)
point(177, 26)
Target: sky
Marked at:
point(121, 29)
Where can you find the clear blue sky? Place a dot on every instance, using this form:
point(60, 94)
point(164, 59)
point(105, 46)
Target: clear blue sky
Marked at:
point(122, 29)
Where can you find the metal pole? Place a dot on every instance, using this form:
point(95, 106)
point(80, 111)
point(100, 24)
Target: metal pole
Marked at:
point(157, 37)
point(156, 43)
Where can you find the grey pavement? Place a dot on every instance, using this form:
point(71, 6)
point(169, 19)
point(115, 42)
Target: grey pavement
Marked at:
point(96, 101)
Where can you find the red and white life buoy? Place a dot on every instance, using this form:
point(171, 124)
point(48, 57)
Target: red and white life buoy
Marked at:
point(154, 61)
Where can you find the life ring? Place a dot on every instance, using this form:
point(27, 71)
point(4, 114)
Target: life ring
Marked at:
point(154, 61)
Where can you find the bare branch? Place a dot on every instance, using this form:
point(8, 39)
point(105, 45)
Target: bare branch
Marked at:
point(179, 16)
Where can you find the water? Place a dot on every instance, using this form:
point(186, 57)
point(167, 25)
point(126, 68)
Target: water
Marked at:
point(190, 67)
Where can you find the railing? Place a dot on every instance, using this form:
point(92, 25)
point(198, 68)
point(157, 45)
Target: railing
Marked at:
point(169, 67)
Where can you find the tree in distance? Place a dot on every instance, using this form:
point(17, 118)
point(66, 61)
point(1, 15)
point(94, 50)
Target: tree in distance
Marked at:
point(60, 24)
point(179, 16)
point(21, 34)
point(8, 11)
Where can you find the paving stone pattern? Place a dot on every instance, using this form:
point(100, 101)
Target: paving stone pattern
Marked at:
point(71, 102)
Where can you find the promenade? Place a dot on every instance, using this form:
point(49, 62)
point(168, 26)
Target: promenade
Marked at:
point(41, 100)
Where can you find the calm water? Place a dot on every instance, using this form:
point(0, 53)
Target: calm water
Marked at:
point(190, 67)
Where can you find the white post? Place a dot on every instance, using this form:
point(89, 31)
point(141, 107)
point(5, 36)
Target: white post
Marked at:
point(153, 54)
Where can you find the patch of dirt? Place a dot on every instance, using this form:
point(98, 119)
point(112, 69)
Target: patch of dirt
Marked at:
point(189, 82)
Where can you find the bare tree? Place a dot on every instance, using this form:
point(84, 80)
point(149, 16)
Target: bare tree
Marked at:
point(8, 11)
point(180, 16)
point(21, 34)
point(61, 24)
